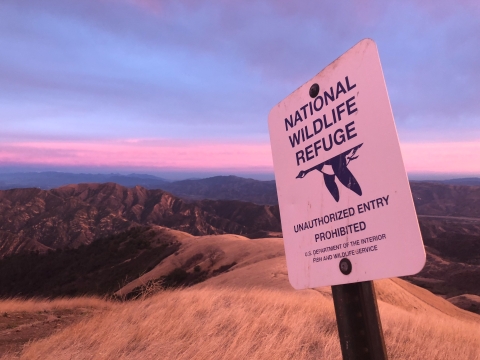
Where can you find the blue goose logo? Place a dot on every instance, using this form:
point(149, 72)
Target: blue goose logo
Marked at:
point(336, 167)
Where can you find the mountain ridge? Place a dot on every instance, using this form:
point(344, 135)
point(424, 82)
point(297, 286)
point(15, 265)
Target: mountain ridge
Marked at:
point(215, 188)
point(35, 219)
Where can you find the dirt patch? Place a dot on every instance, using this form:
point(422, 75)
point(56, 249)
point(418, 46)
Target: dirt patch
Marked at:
point(19, 328)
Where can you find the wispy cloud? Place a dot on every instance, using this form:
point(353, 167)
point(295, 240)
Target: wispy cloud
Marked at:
point(157, 154)
point(137, 153)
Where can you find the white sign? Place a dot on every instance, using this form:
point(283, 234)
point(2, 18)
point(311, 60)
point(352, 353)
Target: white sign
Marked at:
point(345, 202)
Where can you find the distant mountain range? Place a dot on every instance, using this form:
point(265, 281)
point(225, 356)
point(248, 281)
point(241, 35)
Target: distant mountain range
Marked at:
point(474, 181)
point(214, 188)
point(446, 200)
point(225, 188)
point(52, 179)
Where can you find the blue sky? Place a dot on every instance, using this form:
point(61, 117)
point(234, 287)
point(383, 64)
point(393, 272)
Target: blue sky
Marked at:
point(186, 86)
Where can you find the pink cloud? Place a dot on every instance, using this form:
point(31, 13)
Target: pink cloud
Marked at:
point(439, 157)
point(160, 153)
point(442, 157)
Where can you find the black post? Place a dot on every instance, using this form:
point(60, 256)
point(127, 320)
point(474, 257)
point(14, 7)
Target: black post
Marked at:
point(358, 321)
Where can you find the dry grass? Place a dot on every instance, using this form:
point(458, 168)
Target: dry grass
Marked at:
point(206, 323)
point(428, 336)
point(35, 305)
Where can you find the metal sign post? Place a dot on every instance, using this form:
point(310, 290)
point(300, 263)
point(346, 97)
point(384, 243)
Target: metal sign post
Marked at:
point(358, 321)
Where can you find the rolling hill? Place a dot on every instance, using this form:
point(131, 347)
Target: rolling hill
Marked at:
point(247, 310)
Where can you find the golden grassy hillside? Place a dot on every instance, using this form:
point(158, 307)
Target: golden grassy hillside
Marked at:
point(36, 305)
point(215, 252)
point(255, 324)
point(251, 312)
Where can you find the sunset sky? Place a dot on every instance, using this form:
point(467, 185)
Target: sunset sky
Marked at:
point(184, 87)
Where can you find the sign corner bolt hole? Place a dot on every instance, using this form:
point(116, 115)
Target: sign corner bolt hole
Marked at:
point(314, 90)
